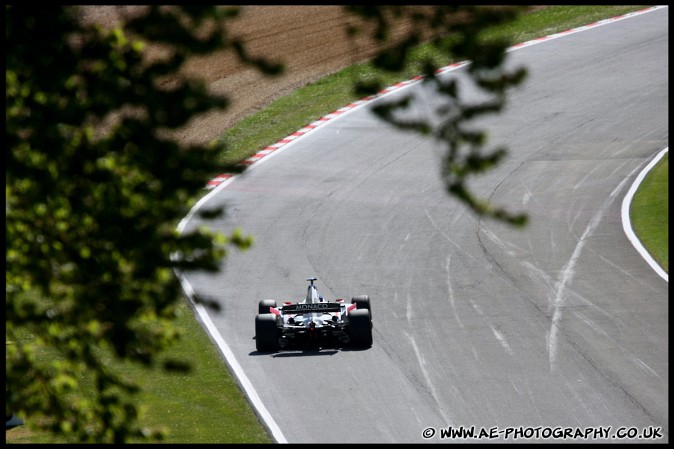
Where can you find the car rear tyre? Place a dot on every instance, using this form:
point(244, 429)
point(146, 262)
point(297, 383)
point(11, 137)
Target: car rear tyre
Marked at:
point(360, 328)
point(266, 333)
point(265, 304)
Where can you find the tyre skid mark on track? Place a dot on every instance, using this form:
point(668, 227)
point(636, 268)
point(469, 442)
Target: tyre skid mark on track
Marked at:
point(568, 271)
point(450, 292)
point(422, 365)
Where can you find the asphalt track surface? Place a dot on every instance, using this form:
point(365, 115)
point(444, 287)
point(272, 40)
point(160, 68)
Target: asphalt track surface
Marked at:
point(560, 325)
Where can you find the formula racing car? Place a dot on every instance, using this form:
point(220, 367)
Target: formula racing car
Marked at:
point(314, 322)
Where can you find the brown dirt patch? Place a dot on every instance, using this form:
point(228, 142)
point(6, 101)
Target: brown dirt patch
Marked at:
point(310, 40)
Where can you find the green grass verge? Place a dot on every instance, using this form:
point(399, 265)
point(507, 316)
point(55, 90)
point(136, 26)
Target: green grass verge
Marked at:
point(649, 213)
point(207, 406)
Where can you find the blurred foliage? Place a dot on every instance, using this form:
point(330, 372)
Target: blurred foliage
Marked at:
point(458, 32)
point(94, 186)
point(96, 179)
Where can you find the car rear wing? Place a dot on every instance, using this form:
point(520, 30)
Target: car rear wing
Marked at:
point(316, 307)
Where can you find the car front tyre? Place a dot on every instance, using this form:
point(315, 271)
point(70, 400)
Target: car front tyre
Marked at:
point(362, 302)
point(264, 305)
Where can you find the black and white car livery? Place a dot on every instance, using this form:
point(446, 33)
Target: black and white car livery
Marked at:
point(313, 322)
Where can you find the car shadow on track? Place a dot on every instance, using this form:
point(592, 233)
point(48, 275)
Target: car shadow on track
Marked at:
point(295, 353)
point(299, 351)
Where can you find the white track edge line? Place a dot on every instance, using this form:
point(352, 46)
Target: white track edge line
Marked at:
point(627, 224)
point(226, 351)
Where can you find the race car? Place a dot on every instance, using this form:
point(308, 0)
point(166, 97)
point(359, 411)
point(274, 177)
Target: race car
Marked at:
point(313, 322)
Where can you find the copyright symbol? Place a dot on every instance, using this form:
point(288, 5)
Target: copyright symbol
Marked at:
point(429, 432)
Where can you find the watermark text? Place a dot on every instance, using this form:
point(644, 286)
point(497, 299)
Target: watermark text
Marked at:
point(543, 433)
